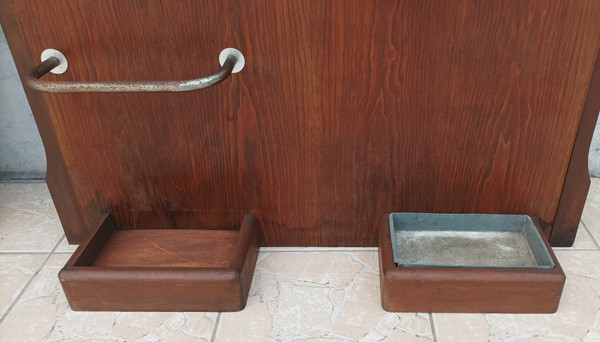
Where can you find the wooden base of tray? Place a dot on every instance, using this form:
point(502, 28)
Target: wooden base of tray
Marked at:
point(462, 289)
point(162, 269)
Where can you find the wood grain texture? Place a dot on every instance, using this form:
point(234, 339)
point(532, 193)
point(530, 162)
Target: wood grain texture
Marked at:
point(577, 180)
point(109, 271)
point(168, 248)
point(345, 110)
point(473, 290)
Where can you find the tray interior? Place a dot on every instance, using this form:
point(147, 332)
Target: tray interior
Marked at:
point(168, 248)
point(467, 240)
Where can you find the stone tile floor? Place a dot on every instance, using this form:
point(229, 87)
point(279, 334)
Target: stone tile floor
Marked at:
point(311, 294)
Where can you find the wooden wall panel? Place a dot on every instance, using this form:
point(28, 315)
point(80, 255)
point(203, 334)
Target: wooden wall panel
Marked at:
point(346, 110)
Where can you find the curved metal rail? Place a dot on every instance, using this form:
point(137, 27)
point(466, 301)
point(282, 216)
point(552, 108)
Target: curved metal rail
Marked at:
point(32, 79)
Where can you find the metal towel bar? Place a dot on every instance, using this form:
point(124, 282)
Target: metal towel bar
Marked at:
point(232, 61)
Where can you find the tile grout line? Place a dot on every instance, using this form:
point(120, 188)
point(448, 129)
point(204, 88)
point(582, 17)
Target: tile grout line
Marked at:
point(39, 269)
point(23, 181)
point(569, 249)
point(217, 322)
point(24, 252)
point(432, 327)
point(590, 234)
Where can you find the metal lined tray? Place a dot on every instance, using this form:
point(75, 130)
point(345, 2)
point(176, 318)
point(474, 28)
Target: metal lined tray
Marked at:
point(467, 240)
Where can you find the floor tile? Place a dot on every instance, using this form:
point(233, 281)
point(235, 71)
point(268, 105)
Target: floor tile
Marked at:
point(461, 327)
point(15, 272)
point(583, 240)
point(319, 297)
point(591, 210)
point(19, 194)
point(580, 301)
point(28, 219)
point(576, 318)
point(64, 247)
point(54, 321)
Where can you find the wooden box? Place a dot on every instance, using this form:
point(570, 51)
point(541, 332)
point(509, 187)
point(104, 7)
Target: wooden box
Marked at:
point(162, 269)
point(460, 288)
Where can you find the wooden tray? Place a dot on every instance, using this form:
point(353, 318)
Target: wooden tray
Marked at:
point(433, 285)
point(162, 269)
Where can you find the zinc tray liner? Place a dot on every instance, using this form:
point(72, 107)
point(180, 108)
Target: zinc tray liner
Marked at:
point(467, 240)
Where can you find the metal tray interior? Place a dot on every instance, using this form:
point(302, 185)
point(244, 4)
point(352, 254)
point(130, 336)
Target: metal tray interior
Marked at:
point(467, 240)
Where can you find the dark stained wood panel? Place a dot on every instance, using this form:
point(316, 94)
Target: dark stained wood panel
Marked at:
point(346, 110)
point(577, 180)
